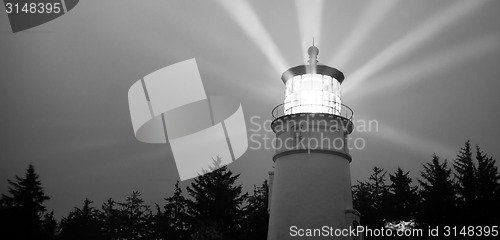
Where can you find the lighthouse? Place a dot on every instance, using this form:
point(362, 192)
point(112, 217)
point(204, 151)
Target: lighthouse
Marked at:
point(310, 187)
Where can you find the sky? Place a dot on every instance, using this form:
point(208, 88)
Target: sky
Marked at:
point(426, 72)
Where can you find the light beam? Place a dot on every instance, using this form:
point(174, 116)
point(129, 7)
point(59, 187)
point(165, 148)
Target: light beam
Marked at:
point(309, 13)
point(414, 73)
point(245, 16)
point(413, 141)
point(411, 41)
point(370, 17)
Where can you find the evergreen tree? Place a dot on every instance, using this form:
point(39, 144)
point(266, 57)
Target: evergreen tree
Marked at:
point(488, 190)
point(215, 210)
point(151, 230)
point(438, 195)
point(82, 224)
point(159, 229)
point(402, 198)
point(379, 187)
point(110, 218)
point(23, 210)
point(171, 223)
point(134, 217)
point(466, 184)
point(361, 198)
point(257, 219)
point(369, 198)
point(49, 226)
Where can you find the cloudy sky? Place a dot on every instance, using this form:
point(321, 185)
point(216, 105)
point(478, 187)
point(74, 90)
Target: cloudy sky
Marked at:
point(426, 71)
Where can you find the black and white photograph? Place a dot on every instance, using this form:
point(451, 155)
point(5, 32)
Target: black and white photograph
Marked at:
point(249, 119)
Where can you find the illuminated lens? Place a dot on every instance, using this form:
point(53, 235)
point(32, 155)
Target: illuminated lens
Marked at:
point(312, 93)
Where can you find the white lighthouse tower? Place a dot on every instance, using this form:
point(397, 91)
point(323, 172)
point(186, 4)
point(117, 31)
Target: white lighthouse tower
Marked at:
point(311, 183)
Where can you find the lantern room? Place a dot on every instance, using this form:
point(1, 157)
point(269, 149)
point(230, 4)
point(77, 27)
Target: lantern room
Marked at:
point(312, 88)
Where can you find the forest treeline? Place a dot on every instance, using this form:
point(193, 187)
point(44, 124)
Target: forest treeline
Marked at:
point(465, 192)
point(213, 207)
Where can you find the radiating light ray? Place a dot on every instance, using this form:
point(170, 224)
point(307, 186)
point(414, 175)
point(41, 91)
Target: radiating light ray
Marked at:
point(414, 142)
point(455, 55)
point(412, 40)
point(370, 17)
point(309, 13)
point(246, 17)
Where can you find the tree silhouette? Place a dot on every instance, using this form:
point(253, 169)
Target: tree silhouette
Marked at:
point(470, 201)
point(466, 184)
point(438, 194)
point(215, 210)
point(171, 222)
point(216, 163)
point(23, 209)
point(488, 190)
point(134, 217)
point(369, 198)
point(82, 224)
point(402, 198)
point(110, 218)
point(49, 226)
point(257, 215)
